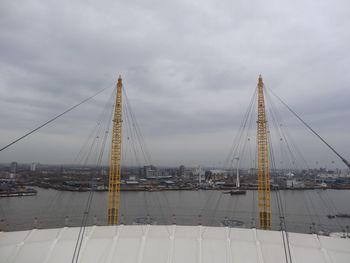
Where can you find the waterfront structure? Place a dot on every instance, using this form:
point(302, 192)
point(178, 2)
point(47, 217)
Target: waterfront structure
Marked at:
point(295, 184)
point(150, 171)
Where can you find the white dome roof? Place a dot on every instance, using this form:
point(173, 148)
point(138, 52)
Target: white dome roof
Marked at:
point(175, 244)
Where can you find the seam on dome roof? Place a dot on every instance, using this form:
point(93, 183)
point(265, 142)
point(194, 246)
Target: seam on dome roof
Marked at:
point(326, 246)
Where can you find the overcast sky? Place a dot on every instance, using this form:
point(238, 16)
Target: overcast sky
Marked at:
point(189, 68)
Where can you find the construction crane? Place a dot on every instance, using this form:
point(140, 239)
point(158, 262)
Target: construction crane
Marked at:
point(264, 205)
point(115, 157)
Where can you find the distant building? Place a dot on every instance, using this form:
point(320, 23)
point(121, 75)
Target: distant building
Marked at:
point(295, 184)
point(200, 173)
point(33, 167)
point(150, 171)
point(13, 168)
point(181, 171)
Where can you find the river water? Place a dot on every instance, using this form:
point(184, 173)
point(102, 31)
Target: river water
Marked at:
point(304, 211)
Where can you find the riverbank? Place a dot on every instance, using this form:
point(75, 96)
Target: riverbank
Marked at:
point(18, 192)
point(175, 188)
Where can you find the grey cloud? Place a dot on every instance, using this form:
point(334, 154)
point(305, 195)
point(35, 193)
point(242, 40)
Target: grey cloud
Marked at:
point(189, 67)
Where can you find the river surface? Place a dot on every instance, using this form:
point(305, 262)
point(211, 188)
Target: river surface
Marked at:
point(304, 211)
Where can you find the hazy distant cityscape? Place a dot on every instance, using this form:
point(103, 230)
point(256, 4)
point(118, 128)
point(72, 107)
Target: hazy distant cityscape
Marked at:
point(18, 179)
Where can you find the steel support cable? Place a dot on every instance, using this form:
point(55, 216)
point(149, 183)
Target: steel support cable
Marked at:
point(286, 133)
point(275, 121)
point(276, 126)
point(138, 132)
point(271, 155)
point(281, 226)
point(251, 162)
point(308, 210)
point(297, 150)
point(81, 233)
point(331, 202)
point(215, 209)
point(146, 203)
point(334, 208)
point(283, 132)
point(241, 153)
point(278, 120)
point(141, 139)
point(82, 229)
point(53, 200)
point(86, 155)
point(96, 132)
point(295, 147)
point(315, 210)
point(319, 138)
point(240, 149)
point(292, 159)
point(328, 209)
point(104, 141)
point(240, 131)
point(131, 133)
point(79, 158)
point(86, 161)
point(206, 204)
point(51, 120)
point(253, 210)
point(312, 130)
point(125, 146)
point(213, 214)
point(108, 118)
point(285, 236)
point(235, 210)
point(282, 155)
point(3, 219)
point(167, 202)
point(162, 214)
point(229, 206)
point(250, 122)
point(85, 164)
point(123, 218)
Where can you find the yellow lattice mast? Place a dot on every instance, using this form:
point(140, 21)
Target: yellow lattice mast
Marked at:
point(114, 165)
point(263, 162)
